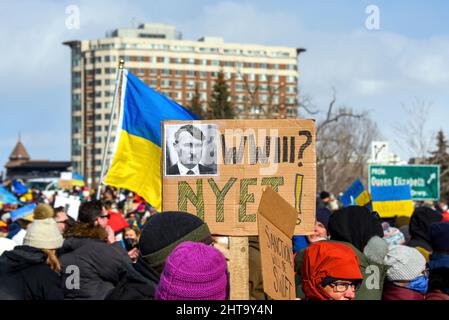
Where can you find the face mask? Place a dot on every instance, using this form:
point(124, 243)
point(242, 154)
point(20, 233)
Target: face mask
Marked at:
point(129, 244)
point(420, 284)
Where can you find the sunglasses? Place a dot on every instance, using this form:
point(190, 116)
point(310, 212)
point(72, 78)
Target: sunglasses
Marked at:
point(107, 216)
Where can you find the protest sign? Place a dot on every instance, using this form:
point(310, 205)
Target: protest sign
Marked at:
point(356, 195)
point(276, 220)
point(216, 169)
point(390, 202)
point(71, 205)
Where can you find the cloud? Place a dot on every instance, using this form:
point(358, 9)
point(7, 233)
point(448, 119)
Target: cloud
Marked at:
point(375, 70)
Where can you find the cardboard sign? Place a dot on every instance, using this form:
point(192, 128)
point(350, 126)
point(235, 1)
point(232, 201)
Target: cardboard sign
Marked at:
point(71, 205)
point(390, 202)
point(216, 169)
point(276, 221)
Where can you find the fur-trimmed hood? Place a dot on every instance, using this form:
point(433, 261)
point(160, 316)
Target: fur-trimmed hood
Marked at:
point(84, 230)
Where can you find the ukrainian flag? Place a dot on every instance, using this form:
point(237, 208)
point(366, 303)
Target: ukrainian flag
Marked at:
point(394, 201)
point(77, 180)
point(356, 195)
point(136, 164)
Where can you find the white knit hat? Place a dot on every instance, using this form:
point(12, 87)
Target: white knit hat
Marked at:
point(405, 263)
point(43, 234)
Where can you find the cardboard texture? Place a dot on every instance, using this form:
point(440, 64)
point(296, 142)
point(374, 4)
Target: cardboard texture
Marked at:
point(276, 222)
point(249, 155)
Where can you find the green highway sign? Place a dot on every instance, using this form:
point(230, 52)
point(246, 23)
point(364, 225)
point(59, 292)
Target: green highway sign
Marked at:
point(424, 179)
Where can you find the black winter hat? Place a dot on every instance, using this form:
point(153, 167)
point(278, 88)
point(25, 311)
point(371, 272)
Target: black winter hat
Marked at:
point(164, 231)
point(356, 225)
point(439, 236)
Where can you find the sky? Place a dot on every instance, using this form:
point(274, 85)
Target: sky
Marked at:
point(404, 60)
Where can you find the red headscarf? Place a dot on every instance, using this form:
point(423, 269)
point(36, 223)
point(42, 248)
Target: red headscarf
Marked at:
point(327, 259)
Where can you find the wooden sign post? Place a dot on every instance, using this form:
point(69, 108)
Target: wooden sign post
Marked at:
point(216, 169)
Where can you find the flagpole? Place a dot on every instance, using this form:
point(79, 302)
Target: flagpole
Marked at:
point(118, 82)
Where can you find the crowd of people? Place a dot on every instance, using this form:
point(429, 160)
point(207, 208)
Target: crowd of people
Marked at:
point(120, 248)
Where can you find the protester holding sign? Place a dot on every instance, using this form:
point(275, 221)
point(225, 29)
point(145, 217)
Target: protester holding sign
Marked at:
point(330, 271)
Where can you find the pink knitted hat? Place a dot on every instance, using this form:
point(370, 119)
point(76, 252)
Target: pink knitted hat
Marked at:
point(193, 271)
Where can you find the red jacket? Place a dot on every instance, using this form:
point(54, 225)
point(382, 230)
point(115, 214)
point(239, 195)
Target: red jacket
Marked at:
point(393, 292)
point(437, 296)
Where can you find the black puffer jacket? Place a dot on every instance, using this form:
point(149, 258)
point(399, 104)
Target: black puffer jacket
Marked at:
point(99, 263)
point(24, 275)
point(138, 283)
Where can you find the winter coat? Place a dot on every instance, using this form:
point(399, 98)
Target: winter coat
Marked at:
point(256, 291)
point(99, 263)
point(439, 274)
point(138, 282)
point(373, 275)
point(394, 292)
point(24, 275)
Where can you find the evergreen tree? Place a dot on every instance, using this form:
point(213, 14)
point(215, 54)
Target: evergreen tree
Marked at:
point(441, 157)
point(196, 105)
point(220, 104)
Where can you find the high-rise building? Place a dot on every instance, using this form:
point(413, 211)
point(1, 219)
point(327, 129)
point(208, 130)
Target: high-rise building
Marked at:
point(262, 80)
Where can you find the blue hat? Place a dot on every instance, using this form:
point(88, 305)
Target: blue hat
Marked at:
point(323, 215)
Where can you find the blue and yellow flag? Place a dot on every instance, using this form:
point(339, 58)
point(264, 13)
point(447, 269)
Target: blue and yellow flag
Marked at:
point(356, 195)
point(136, 164)
point(394, 201)
point(7, 197)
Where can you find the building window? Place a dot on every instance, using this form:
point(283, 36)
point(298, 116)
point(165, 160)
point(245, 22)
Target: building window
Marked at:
point(178, 84)
point(98, 71)
point(178, 73)
point(190, 73)
point(153, 83)
point(215, 63)
point(165, 72)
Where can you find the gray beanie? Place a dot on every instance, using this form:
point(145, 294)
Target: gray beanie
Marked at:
point(376, 249)
point(405, 263)
point(43, 234)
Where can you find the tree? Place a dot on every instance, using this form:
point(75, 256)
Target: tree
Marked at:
point(412, 134)
point(196, 105)
point(441, 157)
point(343, 139)
point(220, 104)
